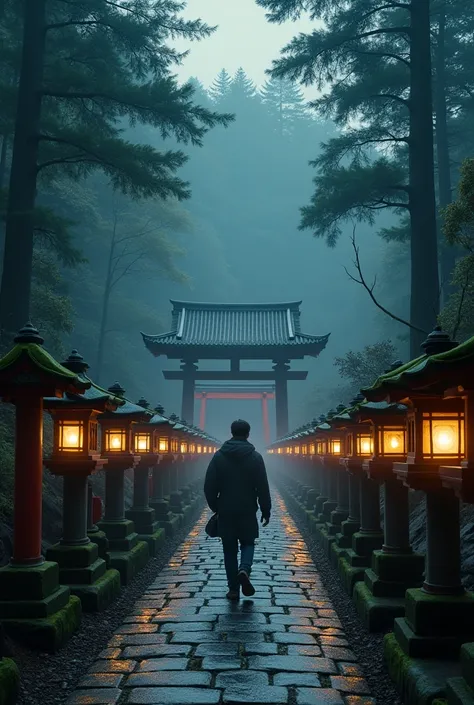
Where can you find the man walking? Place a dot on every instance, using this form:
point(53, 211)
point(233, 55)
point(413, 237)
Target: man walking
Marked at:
point(236, 485)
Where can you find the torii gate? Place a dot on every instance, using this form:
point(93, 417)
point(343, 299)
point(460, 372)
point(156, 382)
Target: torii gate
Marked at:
point(262, 392)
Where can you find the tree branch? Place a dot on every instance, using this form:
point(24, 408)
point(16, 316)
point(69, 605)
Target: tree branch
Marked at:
point(370, 289)
point(460, 307)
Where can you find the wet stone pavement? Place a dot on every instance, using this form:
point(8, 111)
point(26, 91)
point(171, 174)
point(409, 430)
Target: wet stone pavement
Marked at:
point(185, 644)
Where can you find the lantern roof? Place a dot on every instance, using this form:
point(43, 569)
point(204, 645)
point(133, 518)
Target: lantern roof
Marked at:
point(211, 327)
point(430, 373)
point(127, 409)
point(93, 397)
point(28, 364)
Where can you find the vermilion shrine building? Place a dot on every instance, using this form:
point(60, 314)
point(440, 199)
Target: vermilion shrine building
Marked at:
point(236, 332)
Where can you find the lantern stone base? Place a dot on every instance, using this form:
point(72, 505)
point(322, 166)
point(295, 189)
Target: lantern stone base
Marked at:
point(127, 553)
point(148, 528)
point(35, 610)
point(9, 681)
point(337, 517)
point(176, 503)
point(98, 537)
point(86, 575)
point(377, 613)
point(349, 573)
point(435, 626)
point(419, 681)
point(327, 508)
point(460, 691)
point(337, 551)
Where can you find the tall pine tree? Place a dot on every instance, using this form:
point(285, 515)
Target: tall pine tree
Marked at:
point(220, 88)
point(285, 103)
point(87, 68)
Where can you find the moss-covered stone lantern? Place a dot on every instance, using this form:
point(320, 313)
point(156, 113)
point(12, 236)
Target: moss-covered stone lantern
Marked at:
point(75, 456)
point(33, 605)
point(436, 388)
point(395, 567)
point(145, 440)
point(127, 553)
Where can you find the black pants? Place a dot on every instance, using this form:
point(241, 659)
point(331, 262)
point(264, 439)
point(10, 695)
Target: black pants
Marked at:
point(231, 549)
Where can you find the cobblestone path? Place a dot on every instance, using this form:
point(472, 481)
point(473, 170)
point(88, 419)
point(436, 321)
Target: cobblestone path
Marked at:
point(185, 644)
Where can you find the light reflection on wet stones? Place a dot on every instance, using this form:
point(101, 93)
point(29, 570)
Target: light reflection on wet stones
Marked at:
point(185, 644)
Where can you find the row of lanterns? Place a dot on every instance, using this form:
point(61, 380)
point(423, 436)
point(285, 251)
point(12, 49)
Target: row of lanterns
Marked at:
point(103, 421)
point(432, 430)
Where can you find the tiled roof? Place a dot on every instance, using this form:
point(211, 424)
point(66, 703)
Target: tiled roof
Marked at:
point(199, 324)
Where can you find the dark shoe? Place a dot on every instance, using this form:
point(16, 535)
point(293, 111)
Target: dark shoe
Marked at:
point(247, 587)
point(233, 595)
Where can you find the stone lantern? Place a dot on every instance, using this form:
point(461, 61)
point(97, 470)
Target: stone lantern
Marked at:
point(438, 391)
point(76, 456)
point(161, 474)
point(33, 606)
point(127, 553)
point(395, 567)
point(359, 448)
point(145, 442)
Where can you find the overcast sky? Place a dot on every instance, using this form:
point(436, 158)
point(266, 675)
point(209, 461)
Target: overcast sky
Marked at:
point(243, 38)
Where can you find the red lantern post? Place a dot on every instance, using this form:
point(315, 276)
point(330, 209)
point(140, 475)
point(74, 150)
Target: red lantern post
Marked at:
point(29, 586)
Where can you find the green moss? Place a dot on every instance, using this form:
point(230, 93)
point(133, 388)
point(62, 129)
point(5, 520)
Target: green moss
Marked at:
point(50, 633)
point(99, 595)
point(9, 682)
point(419, 681)
point(377, 613)
point(129, 563)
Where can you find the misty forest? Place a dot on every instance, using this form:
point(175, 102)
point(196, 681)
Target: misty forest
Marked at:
point(343, 179)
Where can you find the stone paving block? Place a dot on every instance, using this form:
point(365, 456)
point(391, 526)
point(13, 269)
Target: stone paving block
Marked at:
point(263, 648)
point(173, 696)
point(350, 685)
point(359, 700)
point(101, 680)
point(290, 620)
point(243, 677)
point(186, 627)
point(244, 637)
point(221, 663)
point(110, 653)
point(304, 650)
point(309, 680)
point(327, 623)
point(195, 637)
point(349, 669)
point(137, 629)
point(100, 696)
point(188, 617)
point(301, 664)
point(292, 638)
point(318, 696)
point(221, 649)
point(330, 640)
point(156, 650)
point(137, 639)
point(236, 617)
point(113, 666)
point(138, 619)
point(169, 679)
point(256, 695)
point(163, 664)
point(338, 653)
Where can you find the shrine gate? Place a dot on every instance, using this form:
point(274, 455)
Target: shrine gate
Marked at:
point(237, 333)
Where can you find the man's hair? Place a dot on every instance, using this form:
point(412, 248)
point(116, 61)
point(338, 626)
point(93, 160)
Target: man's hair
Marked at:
point(240, 428)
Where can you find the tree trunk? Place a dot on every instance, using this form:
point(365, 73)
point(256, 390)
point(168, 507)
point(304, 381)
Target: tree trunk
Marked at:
point(424, 305)
point(3, 161)
point(105, 306)
point(447, 252)
point(18, 255)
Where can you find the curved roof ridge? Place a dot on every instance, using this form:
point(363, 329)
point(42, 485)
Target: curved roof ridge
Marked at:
point(217, 305)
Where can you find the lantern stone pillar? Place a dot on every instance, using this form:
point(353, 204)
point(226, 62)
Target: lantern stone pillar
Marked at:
point(176, 497)
point(80, 566)
point(380, 597)
point(341, 512)
point(94, 533)
point(34, 608)
point(324, 490)
point(128, 554)
point(369, 538)
point(352, 523)
point(141, 513)
point(331, 486)
point(166, 520)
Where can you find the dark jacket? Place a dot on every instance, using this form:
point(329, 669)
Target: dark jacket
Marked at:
point(236, 485)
